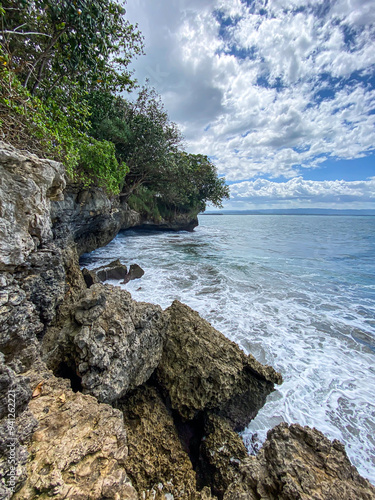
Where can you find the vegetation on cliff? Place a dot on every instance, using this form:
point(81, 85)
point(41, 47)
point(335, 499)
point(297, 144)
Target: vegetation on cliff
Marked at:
point(64, 67)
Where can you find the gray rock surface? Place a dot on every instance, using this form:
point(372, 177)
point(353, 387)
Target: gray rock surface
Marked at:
point(113, 271)
point(135, 272)
point(202, 370)
point(114, 343)
point(90, 277)
point(28, 184)
point(90, 217)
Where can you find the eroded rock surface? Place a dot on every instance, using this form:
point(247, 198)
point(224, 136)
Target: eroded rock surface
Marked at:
point(113, 343)
point(27, 186)
point(79, 448)
point(295, 462)
point(157, 463)
point(202, 370)
point(113, 271)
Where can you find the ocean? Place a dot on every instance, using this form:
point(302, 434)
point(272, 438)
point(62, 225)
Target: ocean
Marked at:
point(296, 291)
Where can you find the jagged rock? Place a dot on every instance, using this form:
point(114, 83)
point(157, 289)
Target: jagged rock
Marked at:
point(135, 272)
point(300, 463)
point(16, 426)
point(14, 434)
point(113, 271)
point(28, 184)
point(202, 370)
point(114, 343)
point(222, 452)
point(78, 450)
point(157, 462)
point(90, 277)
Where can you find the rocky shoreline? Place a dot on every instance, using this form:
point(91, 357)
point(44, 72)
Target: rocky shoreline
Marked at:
point(106, 398)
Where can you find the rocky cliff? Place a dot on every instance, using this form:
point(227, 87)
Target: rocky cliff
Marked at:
point(105, 398)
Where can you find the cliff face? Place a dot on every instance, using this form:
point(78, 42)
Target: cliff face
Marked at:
point(92, 219)
point(105, 398)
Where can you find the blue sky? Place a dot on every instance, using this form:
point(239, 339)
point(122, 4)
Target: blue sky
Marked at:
point(280, 93)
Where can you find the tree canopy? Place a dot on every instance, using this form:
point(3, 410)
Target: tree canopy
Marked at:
point(85, 43)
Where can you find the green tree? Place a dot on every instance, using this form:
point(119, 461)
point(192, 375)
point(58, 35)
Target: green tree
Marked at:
point(52, 43)
point(142, 132)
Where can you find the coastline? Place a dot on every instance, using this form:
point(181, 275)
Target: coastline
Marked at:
point(145, 383)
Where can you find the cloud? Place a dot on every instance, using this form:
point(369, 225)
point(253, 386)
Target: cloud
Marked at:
point(328, 194)
point(266, 88)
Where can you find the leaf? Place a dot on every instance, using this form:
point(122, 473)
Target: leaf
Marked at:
point(38, 389)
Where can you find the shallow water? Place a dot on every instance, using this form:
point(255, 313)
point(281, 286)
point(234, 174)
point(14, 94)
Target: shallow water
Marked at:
point(298, 292)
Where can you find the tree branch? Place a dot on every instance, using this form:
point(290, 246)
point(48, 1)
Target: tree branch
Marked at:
point(7, 32)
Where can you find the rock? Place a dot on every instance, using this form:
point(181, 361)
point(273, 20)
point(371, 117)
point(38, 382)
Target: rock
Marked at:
point(27, 187)
point(90, 277)
point(222, 453)
point(180, 222)
point(298, 462)
point(90, 217)
point(78, 450)
point(16, 426)
point(113, 271)
point(134, 273)
point(14, 434)
point(157, 462)
point(202, 370)
point(14, 391)
point(114, 343)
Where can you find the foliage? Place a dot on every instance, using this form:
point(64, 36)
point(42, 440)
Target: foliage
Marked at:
point(51, 43)
point(141, 130)
point(146, 203)
point(47, 130)
point(190, 181)
point(97, 165)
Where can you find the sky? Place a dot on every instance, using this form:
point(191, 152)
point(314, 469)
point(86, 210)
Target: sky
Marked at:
point(280, 94)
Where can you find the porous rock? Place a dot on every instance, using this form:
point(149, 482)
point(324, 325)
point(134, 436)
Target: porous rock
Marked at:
point(202, 370)
point(90, 277)
point(114, 342)
point(299, 463)
point(222, 453)
point(78, 449)
point(157, 462)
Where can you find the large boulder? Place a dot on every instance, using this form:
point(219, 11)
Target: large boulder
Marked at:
point(135, 272)
point(202, 370)
point(295, 462)
point(78, 449)
point(113, 343)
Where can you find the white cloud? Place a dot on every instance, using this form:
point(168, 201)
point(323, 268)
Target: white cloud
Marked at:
point(297, 192)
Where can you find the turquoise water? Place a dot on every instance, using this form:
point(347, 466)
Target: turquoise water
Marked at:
point(298, 292)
